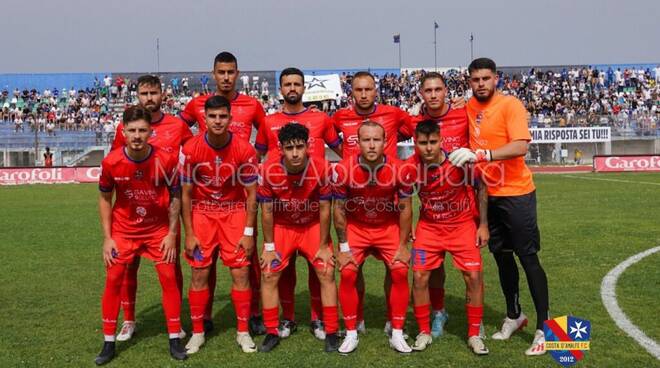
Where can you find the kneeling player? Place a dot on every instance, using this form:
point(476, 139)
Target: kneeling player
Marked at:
point(446, 224)
point(373, 215)
point(295, 194)
point(142, 223)
point(219, 211)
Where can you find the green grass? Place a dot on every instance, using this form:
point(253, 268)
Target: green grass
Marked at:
point(52, 279)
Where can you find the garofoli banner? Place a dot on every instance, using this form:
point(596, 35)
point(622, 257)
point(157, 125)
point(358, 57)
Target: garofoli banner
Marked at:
point(50, 175)
point(627, 163)
point(571, 135)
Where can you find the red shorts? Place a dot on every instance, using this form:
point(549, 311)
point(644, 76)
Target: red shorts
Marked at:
point(380, 241)
point(219, 232)
point(289, 239)
point(432, 241)
point(129, 248)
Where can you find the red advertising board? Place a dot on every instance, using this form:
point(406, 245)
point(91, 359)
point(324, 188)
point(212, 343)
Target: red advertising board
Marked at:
point(641, 163)
point(50, 175)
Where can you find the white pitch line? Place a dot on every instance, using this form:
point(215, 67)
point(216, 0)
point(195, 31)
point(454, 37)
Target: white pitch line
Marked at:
point(613, 180)
point(608, 294)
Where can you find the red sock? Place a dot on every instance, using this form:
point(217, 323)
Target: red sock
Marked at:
point(241, 300)
point(316, 306)
point(331, 319)
point(110, 301)
point(213, 275)
point(399, 295)
point(271, 320)
point(360, 306)
point(348, 297)
point(474, 316)
point(198, 300)
point(128, 292)
point(287, 288)
point(423, 316)
point(255, 284)
point(170, 296)
point(179, 276)
point(437, 298)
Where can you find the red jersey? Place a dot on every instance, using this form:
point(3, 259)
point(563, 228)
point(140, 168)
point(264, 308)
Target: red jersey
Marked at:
point(392, 118)
point(142, 191)
point(169, 134)
point(444, 192)
point(454, 128)
point(320, 127)
point(246, 112)
point(218, 174)
point(295, 197)
point(372, 198)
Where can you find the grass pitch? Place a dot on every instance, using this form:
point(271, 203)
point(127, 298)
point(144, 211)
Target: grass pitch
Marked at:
point(52, 280)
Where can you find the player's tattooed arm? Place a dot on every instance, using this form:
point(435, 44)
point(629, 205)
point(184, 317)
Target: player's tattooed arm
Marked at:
point(405, 224)
point(339, 216)
point(105, 212)
point(168, 246)
point(186, 215)
point(482, 232)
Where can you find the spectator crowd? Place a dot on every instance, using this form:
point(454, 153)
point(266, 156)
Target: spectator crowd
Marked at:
point(626, 99)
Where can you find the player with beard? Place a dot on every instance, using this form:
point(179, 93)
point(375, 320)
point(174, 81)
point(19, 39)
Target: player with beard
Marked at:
point(499, 140)
point(321, 132)
point(168, 133)
point(247, 112)
point(396, 123)
point(373, 215)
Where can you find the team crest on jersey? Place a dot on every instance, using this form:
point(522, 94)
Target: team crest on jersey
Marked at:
point(218, 160)
point(141, 211)
point(567, 338)
point(138, 175)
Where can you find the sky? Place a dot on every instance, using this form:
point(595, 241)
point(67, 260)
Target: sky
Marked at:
point(42, 36)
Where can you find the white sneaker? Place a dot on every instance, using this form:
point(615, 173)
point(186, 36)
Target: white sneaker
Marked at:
point(510, 326)
point(182, 334)
point(361, 328)
point(244, 340)
point(422, 342)
point(477, 345)
point(196, 341)
point(388, 330)
point(317, 329)
point(349, 344)
point(538, 345)
point(127, 331)
point(398, 343)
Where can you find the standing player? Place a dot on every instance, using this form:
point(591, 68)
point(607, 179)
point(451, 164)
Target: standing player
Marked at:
point(454, 131)
point(347, 121)
point(168, 133)
point(219, 209)
point(446, 224)
point(142, 222)
point(373, 215)
point(247, 112)
point(296, 196)
point(321, 132)
point(499, 132)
